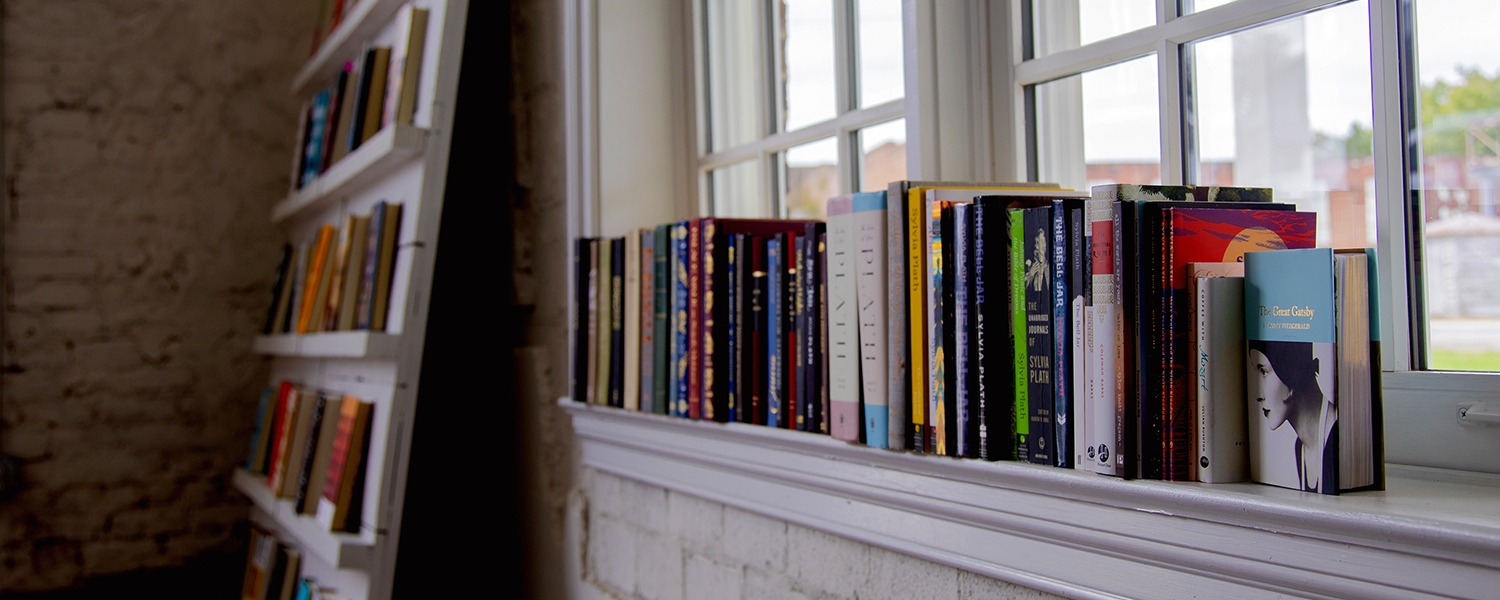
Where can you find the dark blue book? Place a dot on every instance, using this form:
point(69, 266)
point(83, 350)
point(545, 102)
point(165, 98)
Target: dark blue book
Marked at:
point(661, 280)
point(811, 325)
point(775, 369)
point(617, 323)
point(677, 378)
point(994, 366)
point(1067, 250)
point(1041, 440)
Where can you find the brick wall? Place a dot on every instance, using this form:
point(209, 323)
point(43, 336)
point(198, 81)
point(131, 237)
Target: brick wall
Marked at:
point(144, 143)
point(642, 541)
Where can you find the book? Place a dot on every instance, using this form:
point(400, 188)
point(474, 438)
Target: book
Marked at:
point(942, 337)
point(617, 323)
point(630, 394)
point(1107, 414)
point(329, 310)
point(775, 300)
point(843, 330)
point(731, 334)
point(1040, 435)
point(371, 100)
point(738, 276)
point(581, 263)
point(1217, 395)
point(678, 379)
point(646, 269)
point(791, 359)
point(335, 115)
point(343, 490)
point(755, 349)
point(292, 568)
point(995, 378)
point(1020, 386)
point(695, 319)
point(354, 271)
point(964, 426)
point(280, 290)
point(1067, 315)
point(260, 440)
point(810, 334)
point(257, 564)
point(661, 345)
point(313, 147)
point(604, 332)
point(286, 428)
point(298, 282)
point(1194, 232)
point(591, 354)
point(385, 266)
point(1310, 372)
point(407, 52)
point(318, 307)
point(322, 454)
point(307, 415)
point(299, 148)
point(873, 307)
point(339, 145)
point(315, 274)
point(370, 246)
point(821, 350)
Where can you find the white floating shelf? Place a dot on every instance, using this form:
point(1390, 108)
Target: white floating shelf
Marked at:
point(341, 550)
point(1432, 532)
point(372, 161)
point(338, 344)
point(362, 22)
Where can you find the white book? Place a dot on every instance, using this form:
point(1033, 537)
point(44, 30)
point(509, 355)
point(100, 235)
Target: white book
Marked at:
point(1217, 395)
point(843, 326)
point(632, 325)
point(872, 294)
point(1078, 314)
point(1105, 422)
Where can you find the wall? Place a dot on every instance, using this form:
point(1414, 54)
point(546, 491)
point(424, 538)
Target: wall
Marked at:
point(620, 538)
point(144, 144)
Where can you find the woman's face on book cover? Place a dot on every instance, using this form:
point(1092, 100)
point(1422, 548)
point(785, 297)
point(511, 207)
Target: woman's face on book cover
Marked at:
point(1271, 394)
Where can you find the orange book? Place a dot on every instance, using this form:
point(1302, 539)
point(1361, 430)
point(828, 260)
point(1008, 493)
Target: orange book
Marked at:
point(314, 275)
point(343, 486)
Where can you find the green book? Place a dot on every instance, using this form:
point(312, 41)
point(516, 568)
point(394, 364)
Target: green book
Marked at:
point(606, 328)
point(660, 280)
point(1022, 408)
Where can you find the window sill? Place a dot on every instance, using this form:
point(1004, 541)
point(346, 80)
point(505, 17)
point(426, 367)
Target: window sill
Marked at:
point(1432, 532)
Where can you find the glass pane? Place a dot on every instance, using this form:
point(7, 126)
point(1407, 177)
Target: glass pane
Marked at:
point(1192, 6)
point(730, 74)
point(735, 190)
point(879, 38)
point(1109, 118)
point(882, 152)
point(1458, 67)
point(810, 179)
point(1059, 25)
point(806, 70)
point(1287, 106)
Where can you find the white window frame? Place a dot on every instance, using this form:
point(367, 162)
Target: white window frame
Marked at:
point(1420, 405)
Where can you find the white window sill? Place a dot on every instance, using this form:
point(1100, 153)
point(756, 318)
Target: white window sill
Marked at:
point(1433, 532)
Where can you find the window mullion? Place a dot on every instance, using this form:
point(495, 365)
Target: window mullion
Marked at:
point(845, 96)
point(1397, 317)
point(1169, 100)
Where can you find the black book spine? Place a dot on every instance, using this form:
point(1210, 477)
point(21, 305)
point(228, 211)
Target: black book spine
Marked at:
point(992, 342)
point(1041, 443)
point(357, 125)
point(812, 327)
point(304, 470)
point(968, 406)
point(283, 270)
point(948, 406)
point(617, 319)
point(580, 319)
point(662, 338)
point(736, 355)
point(335, 108)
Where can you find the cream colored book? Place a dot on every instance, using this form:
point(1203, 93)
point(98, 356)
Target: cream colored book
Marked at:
point(632, 298)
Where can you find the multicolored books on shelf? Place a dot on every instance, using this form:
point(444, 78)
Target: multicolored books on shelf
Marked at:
point(375, 90)
point(273, 571)
point(341, 280)
point(311, 444)
point(1003, 321)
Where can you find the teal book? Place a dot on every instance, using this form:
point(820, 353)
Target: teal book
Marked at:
point(661, 278)
point(1311, 382)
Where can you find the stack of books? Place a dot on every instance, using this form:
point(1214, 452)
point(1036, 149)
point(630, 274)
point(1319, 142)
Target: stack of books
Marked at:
point(1101, 331)
point(339, 281)
point(273, 571)
point(370, 93)
point(312, 447)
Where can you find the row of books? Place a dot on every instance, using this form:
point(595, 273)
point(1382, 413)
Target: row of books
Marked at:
point(340, 280)
point(273, 571)
point(312, 446)
point(994, 321)
point(375, 90)
point(331, 14)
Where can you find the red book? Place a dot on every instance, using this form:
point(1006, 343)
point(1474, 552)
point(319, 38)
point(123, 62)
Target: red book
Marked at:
point(341, 440)
point(276, 430)
point(695, 319)
point(1207, 235)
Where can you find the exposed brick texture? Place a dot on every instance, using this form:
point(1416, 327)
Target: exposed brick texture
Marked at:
point(144, 141)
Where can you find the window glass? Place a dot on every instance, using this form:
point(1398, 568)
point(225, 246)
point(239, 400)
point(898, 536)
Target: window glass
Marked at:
point(810, 178)
point(1059, 25)
point(1458, 69)
point(1109, 118)
point(882, 154)
point(878, 34)
point(736, 190)
point(730, 79)
point(1287, 106)
point(1192, 6)
point(806, 68)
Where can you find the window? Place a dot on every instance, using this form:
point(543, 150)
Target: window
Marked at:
point(801, 100)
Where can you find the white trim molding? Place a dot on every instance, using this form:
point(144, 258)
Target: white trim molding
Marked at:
point(1434, 533)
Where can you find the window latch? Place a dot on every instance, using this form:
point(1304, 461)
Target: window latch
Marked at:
point(1479, 414)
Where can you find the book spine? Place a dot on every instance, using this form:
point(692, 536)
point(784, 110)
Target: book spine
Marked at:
point(1021, 409)
point(1104, 418)
point(605, 330)
point(843, 329)
point(1218, 389)
point(310, 450)
point(366, 304)
point(1041, 443)
point(616, 323)
point(917, 285)
point(647, 270)
point(774, 301)
point(984, 332)
point(711, 340)
point(937, 367)
point(580, 318)
point(592, 353)
point(661, 343)
point(812, 370)
point(944, 363)
point(282, 271)
point(742, 330)
point(731, 367)
point(759, 297)
point(695, 319)
point(873, 309)
point(1127, 407)
point(630, 393)
point(680, 294)
point(821, 321)
point(962, 326)
point(1079, 297)
point(790, 359)
point(1062, 410)
point(897, 320)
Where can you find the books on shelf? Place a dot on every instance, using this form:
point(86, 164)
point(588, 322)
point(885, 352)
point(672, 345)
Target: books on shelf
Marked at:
point(1097, 331)
point(342, 502)
point(274, 571)
point(323, 287)
point(313, 445)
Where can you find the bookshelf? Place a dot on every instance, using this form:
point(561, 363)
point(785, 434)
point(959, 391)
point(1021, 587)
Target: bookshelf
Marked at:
point(405, 164)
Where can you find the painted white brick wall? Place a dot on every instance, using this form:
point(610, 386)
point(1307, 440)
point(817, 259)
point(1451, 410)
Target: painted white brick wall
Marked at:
point(639, 541)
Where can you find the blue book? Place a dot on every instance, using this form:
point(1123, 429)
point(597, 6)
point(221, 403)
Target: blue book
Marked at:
point(1066, 249)
point(870, 265)
point(775, 370)
point(678, 380)
point(260, 424)
point(313, 152)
